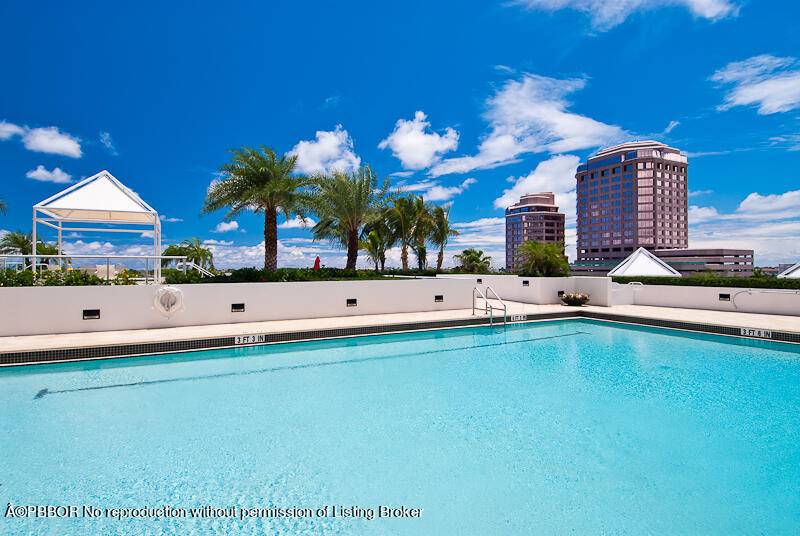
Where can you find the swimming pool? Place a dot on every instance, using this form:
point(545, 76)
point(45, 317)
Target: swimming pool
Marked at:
point(566, 426)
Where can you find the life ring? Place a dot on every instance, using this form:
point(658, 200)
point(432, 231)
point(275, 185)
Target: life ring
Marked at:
point(168, 301)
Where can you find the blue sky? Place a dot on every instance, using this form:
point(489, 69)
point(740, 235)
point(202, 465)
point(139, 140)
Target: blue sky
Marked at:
point(469, 103)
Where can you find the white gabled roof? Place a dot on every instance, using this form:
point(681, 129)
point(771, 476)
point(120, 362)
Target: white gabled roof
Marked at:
point(99, 198)
point(642, 263)
point(792, 272)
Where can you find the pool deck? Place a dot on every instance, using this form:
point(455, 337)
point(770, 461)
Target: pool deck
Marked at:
point(40, 343)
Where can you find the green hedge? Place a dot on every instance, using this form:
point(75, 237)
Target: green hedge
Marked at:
point(714, 281)
point(254, 275)
point(71, 278)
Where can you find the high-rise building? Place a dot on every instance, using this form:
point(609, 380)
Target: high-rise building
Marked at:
point(535, 217)
point(629, 196)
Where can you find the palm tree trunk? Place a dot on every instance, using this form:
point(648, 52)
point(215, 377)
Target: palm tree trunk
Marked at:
point(440, 259)
point(270, 239)
point(404, 256)
point(383, 261)
point(352, 249)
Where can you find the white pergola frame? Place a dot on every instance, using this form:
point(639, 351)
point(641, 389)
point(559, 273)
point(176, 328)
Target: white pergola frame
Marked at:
point(146, 219)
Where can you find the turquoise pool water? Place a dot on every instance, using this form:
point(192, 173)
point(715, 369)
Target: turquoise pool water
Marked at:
point(572, 426)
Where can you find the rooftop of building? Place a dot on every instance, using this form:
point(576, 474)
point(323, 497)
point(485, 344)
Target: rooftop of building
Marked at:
point(634, 146)
point(544, 199)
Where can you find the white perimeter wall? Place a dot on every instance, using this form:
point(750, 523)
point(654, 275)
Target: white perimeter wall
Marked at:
point(41, 310)
point(742, 300)
point(541, 290)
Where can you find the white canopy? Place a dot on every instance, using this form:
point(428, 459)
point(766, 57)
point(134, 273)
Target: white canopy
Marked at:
point(101, 199)
point(792, 272)
point(642, 263)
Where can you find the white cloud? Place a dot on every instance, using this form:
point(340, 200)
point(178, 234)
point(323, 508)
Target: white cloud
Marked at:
point(108, 143)
point(7, 130)
point(672, 124)
point(700, 154)
point(53, 141)
point(43, 139)
point(770, 207)
point(485, 234)
point(556, 175)
point(698, 193)
point(213, 242)
point(790, 141)
point(531, 116)
point(504, 69)
point(605, 14)
point(226, 226)
point(768, 224)
point(434, 190)
point(332, 102)
point(299, 253)
point(297, 223)
point(57, 175)
point(168, 219)
point(444, 193)
point(416, 147)
point(331, 151)
point(769, 82)
point(701, 214)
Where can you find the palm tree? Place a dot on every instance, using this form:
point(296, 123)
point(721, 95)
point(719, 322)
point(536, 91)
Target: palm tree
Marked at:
point(260, 181)
point(373, 245)
point(19, 243)
point(172, 250)
point(194, 252)
point(401, 215)
point(379, 238)
point(473, 261)
point(344, 203)
point(539, 259)
point(423, 221)
point(441, 231)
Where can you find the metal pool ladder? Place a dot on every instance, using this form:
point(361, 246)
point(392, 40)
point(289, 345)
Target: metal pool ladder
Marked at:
point(488, 307)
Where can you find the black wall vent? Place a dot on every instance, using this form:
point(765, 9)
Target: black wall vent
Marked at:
point(526, 283)
point(352, 302)
point(439, 298)
point(91, 314)
point(724, 297)
point(237, 307)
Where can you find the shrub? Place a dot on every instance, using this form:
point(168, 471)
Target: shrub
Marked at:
point(281, 275)
point(715, 281)
point(540, 259)
point(48, 278)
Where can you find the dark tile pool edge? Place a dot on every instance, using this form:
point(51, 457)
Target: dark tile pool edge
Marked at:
point(774, 336)
point(33, 357)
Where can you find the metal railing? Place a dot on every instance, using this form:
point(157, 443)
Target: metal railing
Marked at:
point(751, 291)
point(187, 264)
point(489, 307)
point(151, 263)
